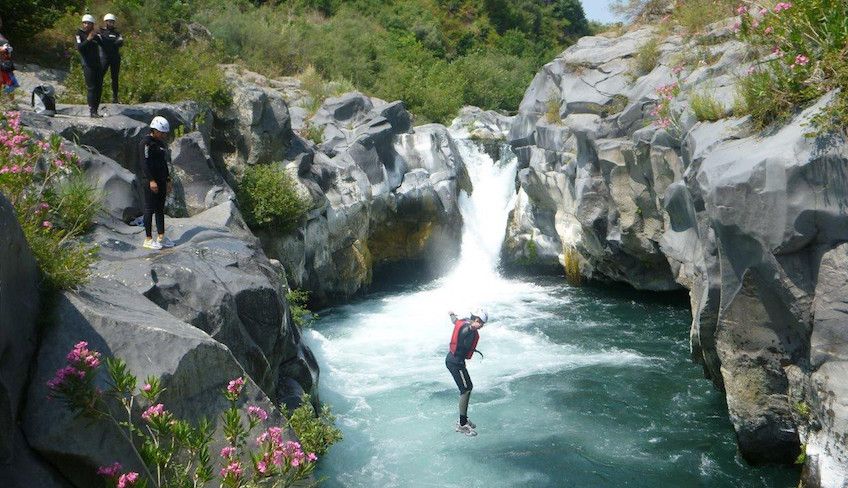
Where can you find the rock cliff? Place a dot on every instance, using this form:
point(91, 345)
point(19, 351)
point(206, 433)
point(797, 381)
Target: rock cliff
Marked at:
point(752, 224)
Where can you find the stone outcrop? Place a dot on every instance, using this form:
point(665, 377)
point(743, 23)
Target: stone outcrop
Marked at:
point(753, 224)
point(382, 193)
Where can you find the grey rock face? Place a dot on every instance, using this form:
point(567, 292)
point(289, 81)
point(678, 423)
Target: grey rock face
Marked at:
point(197, 183)
point(19, 308)
point(752, 224)
point(117, 321)
point(215, 279)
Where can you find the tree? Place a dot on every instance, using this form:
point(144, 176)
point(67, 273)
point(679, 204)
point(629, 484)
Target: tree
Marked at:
point(25, 18)
point(572, 11)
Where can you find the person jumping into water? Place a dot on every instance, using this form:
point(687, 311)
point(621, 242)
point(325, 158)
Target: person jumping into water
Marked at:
point(463, 346)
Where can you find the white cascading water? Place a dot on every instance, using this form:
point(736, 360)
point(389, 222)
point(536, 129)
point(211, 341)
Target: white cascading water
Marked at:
point(382, 359)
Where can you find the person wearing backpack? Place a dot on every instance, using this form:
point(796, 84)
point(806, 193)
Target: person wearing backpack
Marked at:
point(463, 345)
point(110, 55)
point(88, 44)
point(156, 180)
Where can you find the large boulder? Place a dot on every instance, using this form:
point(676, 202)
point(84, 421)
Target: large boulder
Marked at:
point(20, 301)
point(119, 322)
point(216, 279)
point(197, 183)
point(256, 129)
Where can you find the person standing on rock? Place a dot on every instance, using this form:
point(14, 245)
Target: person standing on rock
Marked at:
point(88, 43)
point(110, 55)
point(463, 345)
point(156, 179)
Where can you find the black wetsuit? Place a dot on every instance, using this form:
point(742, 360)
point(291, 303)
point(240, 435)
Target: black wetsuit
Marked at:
point(92, 70)
point(456, 362)
point(110, 56)
point(154, 166)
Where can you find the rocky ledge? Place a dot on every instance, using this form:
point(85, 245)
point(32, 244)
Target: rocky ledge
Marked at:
point(753, 224)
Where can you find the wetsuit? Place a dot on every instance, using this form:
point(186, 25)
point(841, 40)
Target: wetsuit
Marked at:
point(110, 56)
point(92, 70)
point(455, 363)
point(154, 166)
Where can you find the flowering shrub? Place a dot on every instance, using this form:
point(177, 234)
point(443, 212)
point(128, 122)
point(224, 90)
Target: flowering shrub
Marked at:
point(175, 453)
point(665, 117)
point(53, 202)
point(803, 44)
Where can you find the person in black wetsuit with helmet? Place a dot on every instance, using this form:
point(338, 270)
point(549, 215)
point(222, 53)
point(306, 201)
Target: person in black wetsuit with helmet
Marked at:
point(156, 178)
point(110, 55)
point(88, 45)
point(463, 345)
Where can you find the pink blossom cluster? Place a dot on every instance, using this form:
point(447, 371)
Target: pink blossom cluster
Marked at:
point(257, 413)
point(232, 470)
point(279, 453)
point(109, 471)
point(154, 412)
point(228, 451)
point(661, 111)
point(81, 360)
point(781, 6)
point(800, 60)
point(235, 386)
point(127, 479)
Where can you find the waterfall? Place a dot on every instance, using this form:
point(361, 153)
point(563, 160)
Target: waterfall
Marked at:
point(485, 211)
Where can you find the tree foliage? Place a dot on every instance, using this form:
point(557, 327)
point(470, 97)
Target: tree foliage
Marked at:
point(23, 19)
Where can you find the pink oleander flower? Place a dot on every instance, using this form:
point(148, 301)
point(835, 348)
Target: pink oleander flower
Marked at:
point(109, 471)
point(781, 6)
point(801, 60)
point(235, 386)
point(59, 163)
point(43, 206)
point(4, 170)
point(677, 69)
point(737, 26)
point(47, 224)
point(741, 10)
point(777, 51)
point(311, 457)
point(227, 451)
point(147, 388)
point(127, 479)
point(257, 412)
point(262, 466)
point(768, 30)
point(153, 412)
point(763, 11)
point(233, 469)
point(15, 169)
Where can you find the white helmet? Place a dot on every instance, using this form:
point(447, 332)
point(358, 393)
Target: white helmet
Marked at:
point(160, 123)
point(481, 314)
point(88, 18)
point(109, 17)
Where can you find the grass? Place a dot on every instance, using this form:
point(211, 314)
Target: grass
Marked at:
point(694, 16)
point(553, 106)
point(706, 107)
point(646, 57)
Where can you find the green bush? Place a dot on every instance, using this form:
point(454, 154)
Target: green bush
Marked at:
point(269, 199)
point(316, 433)
point(494, 80)
point(153, 71)
point(706, 107)
point(807, 42)
point(300, 314)
point(53, 202)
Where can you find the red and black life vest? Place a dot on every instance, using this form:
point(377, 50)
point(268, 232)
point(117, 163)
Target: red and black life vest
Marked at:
point(455, 338)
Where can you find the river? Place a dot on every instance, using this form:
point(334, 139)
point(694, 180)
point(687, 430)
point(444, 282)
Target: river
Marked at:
point(578, 387)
